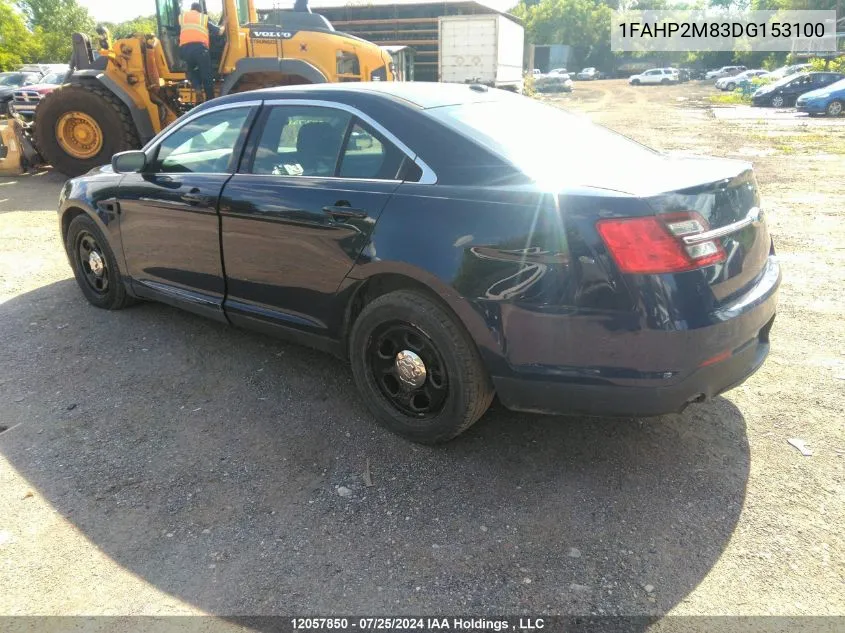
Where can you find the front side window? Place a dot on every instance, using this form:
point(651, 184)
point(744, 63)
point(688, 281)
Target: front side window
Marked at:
point(204, 145)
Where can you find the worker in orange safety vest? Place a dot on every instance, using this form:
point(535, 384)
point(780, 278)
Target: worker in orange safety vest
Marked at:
point(193, 48)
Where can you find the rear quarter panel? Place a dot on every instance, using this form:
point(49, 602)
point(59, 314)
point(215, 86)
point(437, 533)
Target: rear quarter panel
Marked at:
point(502, 258)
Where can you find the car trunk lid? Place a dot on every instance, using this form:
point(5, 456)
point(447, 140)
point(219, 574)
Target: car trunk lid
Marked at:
point(707, 217)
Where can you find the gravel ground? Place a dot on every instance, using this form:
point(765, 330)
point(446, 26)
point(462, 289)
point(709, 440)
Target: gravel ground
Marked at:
point(158, 463)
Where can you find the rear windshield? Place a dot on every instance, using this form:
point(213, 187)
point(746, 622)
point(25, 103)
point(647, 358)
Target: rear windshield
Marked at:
point(544, 142)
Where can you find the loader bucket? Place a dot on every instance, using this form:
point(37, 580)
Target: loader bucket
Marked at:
point(10, 152)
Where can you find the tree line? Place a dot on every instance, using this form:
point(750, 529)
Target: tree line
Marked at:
point(38, 31)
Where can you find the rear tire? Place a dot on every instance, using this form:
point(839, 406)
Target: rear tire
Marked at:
point(835, 108)
point(665, 82)
point(94, 265)
point(453, 392)
point(103, 123)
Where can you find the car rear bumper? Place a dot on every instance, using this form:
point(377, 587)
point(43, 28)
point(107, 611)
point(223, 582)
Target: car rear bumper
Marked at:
point(719, 357)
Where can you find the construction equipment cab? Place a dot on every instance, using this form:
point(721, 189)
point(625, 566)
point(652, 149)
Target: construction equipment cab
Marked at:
point(125, 95)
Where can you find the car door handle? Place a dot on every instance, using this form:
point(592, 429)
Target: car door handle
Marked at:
point(194, 197)
point(344, 211)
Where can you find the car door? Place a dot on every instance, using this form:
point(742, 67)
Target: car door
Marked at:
point(797, 87)
point(296, 216)
point(168, 214)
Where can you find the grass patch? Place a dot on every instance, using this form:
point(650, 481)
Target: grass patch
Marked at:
point(731, 98)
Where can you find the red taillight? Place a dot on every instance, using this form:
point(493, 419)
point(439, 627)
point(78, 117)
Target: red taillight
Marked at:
point(654, 244)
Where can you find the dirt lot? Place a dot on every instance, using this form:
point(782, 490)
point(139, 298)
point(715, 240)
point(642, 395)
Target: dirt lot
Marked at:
point(157, 463)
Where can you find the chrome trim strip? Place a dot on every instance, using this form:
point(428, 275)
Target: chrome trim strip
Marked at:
point(752, 217)
point(428, 176)
point(338, 178)
point(178, 293)
point(173, 128)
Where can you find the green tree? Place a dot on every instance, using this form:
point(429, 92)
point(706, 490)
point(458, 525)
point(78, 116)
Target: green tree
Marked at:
point(56, 20)
point(582, 24)
point(141, 24)
point(17, 44)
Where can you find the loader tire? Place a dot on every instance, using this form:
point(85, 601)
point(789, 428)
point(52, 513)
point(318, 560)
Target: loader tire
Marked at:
point(80, 126)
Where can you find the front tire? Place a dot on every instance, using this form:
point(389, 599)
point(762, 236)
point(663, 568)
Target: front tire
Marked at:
point(79, 127)
point(730, 87)
point(94, 265)
point(417, 369)
point(834, 108)
point(778, 101)
point(635, 82)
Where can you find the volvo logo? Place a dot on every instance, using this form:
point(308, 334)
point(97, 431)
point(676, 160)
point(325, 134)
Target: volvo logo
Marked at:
point(272, 35)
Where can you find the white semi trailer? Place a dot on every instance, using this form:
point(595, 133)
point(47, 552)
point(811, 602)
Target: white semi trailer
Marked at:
point(486, 49)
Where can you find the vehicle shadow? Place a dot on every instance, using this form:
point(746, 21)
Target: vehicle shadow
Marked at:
point(35, 191)
point(207, 461)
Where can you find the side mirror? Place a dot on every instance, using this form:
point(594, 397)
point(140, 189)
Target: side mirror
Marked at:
point(129, 162)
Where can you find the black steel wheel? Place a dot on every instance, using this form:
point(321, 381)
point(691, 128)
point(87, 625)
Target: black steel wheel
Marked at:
point(94, 265)
point(92, 261)
point(408, 369)
point(417, 368)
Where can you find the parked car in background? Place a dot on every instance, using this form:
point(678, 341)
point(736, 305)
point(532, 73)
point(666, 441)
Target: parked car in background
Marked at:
point(733, 82)
point(785, 71)
point(26, 98)
point(655, 76)
point(785, 93)
point(588, 74)
point(449, 262)
point(554, 81)
point(559, 71)
point(725, 71)
point(11, 81)
point(683, 74)
point(829, 100)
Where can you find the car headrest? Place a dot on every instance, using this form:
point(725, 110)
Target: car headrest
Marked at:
point(318, 140)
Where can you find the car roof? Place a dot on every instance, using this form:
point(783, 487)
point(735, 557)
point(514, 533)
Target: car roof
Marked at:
point(423, 95)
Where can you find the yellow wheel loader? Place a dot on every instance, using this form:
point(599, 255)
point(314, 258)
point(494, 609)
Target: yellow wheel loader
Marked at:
point(124, 95)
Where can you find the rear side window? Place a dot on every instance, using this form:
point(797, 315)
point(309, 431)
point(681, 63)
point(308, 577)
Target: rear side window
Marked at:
point(301, 141)
point(367, 155)
point(324, 142)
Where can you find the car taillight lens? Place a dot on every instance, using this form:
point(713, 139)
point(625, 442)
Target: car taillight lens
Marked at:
point(654, 244)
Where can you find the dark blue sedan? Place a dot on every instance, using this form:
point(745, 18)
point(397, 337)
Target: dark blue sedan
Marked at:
point(451, 242)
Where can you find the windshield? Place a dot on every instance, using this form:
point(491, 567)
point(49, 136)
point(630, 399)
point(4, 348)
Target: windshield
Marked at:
point(53, 78)
point(11, 79)
point(546, 143)
point(784, 81)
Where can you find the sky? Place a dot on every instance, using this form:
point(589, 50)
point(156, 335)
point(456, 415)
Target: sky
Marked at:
point(120, 10)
